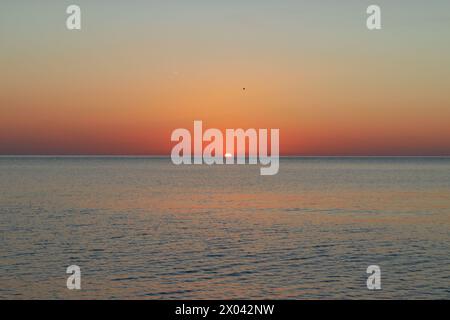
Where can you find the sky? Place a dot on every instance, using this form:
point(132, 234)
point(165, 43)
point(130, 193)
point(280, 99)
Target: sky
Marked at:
point(137, 70)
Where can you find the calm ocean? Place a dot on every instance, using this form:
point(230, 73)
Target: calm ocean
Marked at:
point(146, 229)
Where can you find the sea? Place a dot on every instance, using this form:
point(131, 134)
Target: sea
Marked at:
point(144, 228)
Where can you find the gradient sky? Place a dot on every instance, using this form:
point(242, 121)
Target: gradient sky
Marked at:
point(139, 69)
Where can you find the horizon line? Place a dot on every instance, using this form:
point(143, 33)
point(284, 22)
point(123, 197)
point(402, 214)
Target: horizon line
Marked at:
point(168, 156)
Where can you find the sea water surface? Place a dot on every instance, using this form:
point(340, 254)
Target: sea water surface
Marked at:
point(143, 228)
